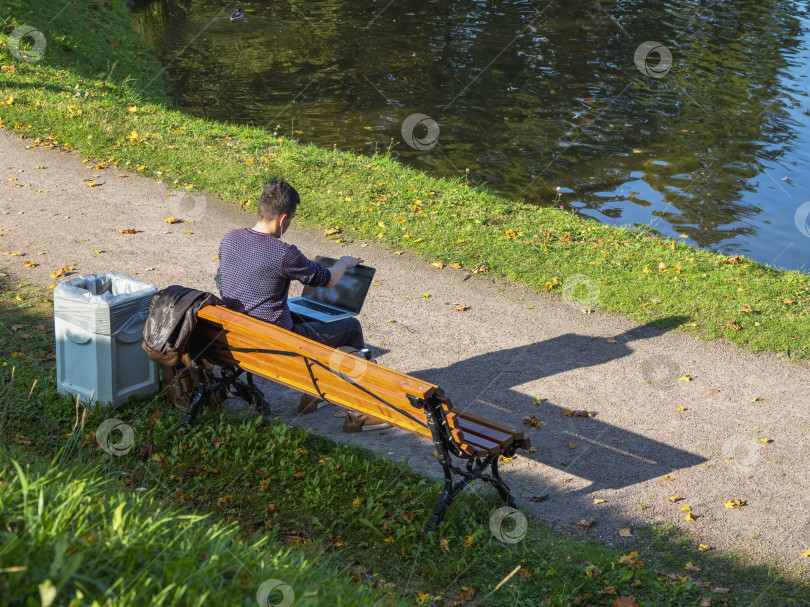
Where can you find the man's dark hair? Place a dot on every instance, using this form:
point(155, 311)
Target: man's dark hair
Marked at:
point(278, 197)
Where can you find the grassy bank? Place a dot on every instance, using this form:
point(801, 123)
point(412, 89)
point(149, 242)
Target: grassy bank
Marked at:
point(111, 106)
point(209, 514)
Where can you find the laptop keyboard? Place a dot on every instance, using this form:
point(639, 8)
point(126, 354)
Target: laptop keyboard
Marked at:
point(318, 307)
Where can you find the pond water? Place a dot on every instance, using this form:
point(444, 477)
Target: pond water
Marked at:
point(703, 134)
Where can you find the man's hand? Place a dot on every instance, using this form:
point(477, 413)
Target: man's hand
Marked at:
point(350, 261)
point(340, 267)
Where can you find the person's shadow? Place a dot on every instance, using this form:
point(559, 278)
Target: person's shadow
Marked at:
point(608, 456)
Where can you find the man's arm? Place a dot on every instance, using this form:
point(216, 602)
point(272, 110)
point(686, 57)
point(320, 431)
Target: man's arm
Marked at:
point(340, 267)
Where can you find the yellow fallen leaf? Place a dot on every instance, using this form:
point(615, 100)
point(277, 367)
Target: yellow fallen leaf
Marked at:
point(762, 439)
point(674, 498)
point(629, 560)
point(42, 191)
point(572, 445)
point(598, 501)
point(97, 251)
point(681, 408)
point(141, 168)
point(172, 219)
point(736, 503)
point(587, 523)
point(704, 548)
point(92, 184)
point(331, 231)
point(62, 272)
point(468, 541)
point(133, 135)
point(131, 107)
point(756, 399)
point(689, 517)
point(355, 503)
point(685, 508)
point(667, 477)
point(806, 554)
point(30, 264)
point(690, 567)
point(685, 378)
point(611, 340)
point(444, 544)
point(389, 540)
point(463, 308)
point(438, 265)
point(127, 231)
point(625, 532)
point(577, 413)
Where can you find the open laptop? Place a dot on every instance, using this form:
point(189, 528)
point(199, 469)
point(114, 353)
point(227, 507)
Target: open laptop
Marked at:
point(328, 304)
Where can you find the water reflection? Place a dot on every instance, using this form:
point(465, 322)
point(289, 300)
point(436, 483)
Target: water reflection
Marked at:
point(531, 96)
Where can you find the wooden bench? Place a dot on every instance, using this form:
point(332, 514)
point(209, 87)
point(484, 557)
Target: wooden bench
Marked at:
point(239, 344)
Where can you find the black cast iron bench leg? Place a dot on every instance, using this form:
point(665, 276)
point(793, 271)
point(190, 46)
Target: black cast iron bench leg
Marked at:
point(194, 407)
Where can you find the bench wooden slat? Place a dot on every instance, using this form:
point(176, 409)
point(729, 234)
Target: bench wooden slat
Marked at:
point(482, 445)
point(469, 419)
point(223, 327)
point(293, 374)
point(289, 369)
point(273, 337)
point(220, 326)
point(457, 420)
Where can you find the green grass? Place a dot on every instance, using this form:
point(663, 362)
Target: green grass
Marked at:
point(77, 537)
point(238, 501)
point(111, 106)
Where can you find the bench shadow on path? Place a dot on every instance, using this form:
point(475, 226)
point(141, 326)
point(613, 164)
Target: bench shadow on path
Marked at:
point(607, 456)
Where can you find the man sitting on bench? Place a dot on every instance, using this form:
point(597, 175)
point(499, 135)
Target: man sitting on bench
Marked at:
point(255, 270)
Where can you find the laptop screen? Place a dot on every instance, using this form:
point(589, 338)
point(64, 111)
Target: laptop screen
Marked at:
point(349, 293)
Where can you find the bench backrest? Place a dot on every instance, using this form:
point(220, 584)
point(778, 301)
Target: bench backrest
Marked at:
point(344, 379)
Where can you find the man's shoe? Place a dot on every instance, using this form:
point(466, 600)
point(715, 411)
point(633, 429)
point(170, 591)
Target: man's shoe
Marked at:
point(309, 404)
point(357, 422)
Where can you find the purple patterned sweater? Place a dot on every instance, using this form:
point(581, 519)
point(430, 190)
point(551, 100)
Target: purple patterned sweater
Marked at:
point(255, 267)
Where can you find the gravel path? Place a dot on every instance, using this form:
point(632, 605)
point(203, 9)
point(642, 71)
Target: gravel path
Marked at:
point(511, 346)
